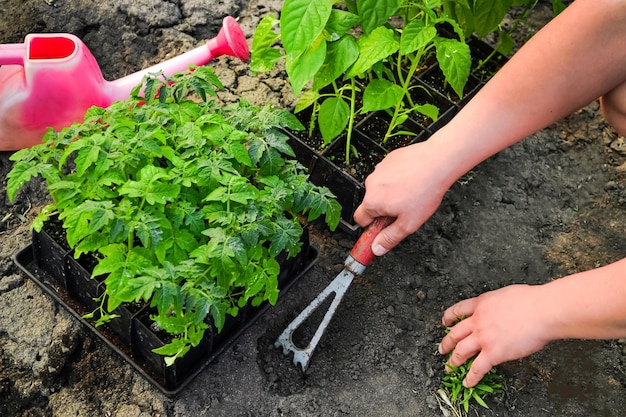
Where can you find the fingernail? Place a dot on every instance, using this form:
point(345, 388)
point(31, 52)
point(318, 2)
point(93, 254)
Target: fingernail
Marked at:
point(379, 250)
point(465, 383)
point(440, 349)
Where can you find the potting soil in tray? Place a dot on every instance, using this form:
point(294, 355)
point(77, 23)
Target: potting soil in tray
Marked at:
point(57, 282)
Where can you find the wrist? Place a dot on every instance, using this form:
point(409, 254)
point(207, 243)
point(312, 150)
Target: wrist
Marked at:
point(548, 314)
point(450, 155)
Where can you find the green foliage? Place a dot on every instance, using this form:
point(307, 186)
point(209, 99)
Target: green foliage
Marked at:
point(381, 43)
point(321, 47)
point(557, 7)
point(484, 17)
point(457, 397)
point(185, 203)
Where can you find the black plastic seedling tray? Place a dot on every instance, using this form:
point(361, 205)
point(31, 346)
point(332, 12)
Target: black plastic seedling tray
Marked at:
point(56, 272)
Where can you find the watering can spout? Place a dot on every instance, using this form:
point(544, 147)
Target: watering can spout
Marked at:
point(229, 41)
point(52, 79)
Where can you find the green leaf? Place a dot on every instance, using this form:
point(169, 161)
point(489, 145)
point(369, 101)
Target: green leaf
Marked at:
point(263, 55)
point(87, 156)
point(488, 14)
point(138, 289)
point(428, 110)
point(431, 4)
point(455, 62)
point(557, 7)
point(302, 67)
point(465, 400)
point(90, 244)
point(150, 227)
point(21, 173)
point(484, 387)
point(373, 47)
point(332, 210)
point(376, 12)
point(278, 141)
point(168, 297)
point(461, 12)
point(86, 218)
point(380, 95)
point(318, 202)
point(218, 312)
point(505, 46)
point(184, 240)
point(150, 187)
point(339, 23)
point(173, 350)
point(339, 56)
point(416, 36)
point(333, 117)
point(286, 236)
point(237, 189)
point(271, 287)
point(306, 99)
point(42, 217)
point(101, 215)
point(120, 267)
point(256, 148)
point(255, 286)
point(287, 119)
point(479, 400)
point(301, 23)
point(239, 151)
point(114, 258)
point(271, 162)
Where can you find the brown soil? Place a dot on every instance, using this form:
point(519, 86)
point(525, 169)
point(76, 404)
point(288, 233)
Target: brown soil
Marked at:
point(549, 206)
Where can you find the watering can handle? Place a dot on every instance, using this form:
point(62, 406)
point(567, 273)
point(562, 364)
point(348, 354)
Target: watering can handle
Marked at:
point(12, 54)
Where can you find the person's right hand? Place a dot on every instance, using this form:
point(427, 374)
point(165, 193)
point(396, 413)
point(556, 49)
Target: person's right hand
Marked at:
point(408, 185)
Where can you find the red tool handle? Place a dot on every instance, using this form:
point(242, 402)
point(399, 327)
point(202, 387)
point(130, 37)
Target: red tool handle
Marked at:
point(362, 250)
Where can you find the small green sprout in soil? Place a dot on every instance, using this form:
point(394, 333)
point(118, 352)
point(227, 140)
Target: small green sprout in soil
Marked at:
point(457, 397)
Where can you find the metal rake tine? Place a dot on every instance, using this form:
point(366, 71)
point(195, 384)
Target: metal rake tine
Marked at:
point(360, 257)
point(302, 356)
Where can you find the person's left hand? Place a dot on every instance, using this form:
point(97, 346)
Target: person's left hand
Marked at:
point(502, 325)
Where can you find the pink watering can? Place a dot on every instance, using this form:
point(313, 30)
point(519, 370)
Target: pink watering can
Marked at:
point(52, 79)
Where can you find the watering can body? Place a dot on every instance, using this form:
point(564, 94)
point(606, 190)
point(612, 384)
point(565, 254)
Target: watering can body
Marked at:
point(52, 79)
point(47, 89)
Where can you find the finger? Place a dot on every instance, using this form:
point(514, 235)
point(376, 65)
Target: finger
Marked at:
point(463, 351)
point(456, 334)
point(478, 370)
point(363, 217)
point(390, 237)
point(458, 311)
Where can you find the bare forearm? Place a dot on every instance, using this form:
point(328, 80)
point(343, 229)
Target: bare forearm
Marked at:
point(589, 305)
point(572, 61)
